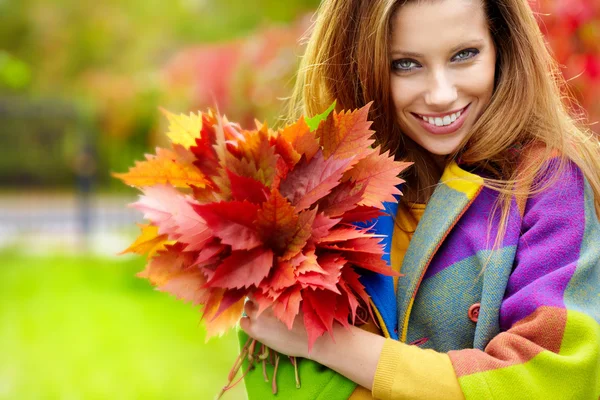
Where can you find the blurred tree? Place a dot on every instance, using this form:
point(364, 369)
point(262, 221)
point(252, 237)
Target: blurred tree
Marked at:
point(106, 57)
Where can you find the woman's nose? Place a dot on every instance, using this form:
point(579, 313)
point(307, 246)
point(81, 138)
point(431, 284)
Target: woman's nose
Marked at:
point(441, 92)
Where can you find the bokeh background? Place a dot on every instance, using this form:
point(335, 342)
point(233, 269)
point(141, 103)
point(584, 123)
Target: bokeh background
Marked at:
point(80, 87)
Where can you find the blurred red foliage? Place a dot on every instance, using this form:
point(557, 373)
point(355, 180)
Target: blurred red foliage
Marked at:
point(249, 77)
point(572, 29)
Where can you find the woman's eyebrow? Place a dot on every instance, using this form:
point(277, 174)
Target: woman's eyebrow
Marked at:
point(462, 45)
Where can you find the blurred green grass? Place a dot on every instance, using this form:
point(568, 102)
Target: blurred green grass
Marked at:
point(87, 328)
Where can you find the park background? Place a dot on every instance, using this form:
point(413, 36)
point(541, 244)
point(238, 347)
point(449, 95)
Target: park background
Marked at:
point(80, 88)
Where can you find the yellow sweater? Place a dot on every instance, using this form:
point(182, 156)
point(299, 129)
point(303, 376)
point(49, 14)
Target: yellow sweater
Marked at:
point(394, 356)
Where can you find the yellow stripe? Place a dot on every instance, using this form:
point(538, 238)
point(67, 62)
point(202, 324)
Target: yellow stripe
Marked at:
point(405, 324)
point(461, 180)
point(380, 320)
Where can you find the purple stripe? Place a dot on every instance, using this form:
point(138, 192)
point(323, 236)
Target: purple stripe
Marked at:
point(548, 250)
point(470, 235)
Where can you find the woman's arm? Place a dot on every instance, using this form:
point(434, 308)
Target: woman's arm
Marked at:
point(354, 353)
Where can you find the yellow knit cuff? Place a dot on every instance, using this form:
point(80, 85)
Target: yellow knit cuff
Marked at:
point(409, 372)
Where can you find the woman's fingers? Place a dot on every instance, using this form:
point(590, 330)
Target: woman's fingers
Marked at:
point(249, 308)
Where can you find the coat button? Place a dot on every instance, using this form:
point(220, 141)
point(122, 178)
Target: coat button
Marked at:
point(474, 312)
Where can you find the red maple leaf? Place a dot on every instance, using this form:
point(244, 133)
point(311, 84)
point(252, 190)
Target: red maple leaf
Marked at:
point(243, 268)
point(287, 305)
point(277, 221)
point(312, 180)
point(247, 189)
point(346, 135)
point(232, 222)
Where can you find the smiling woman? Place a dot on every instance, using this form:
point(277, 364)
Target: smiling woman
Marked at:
point(440, 90)
point(497, 234)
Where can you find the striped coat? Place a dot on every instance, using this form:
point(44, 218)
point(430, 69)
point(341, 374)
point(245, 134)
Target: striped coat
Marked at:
point(537, 334)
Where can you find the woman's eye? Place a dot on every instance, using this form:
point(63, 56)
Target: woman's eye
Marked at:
point(465, 54)
point(404, 65)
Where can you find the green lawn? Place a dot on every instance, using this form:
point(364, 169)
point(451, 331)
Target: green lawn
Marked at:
point(87, 328)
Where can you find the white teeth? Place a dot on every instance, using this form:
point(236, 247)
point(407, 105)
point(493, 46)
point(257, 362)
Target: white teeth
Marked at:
point(442, 121)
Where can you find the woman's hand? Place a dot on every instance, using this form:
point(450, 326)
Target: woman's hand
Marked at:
point(273, 333)
point(354, 354)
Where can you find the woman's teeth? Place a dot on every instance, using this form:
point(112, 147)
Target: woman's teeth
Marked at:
point(442, 121)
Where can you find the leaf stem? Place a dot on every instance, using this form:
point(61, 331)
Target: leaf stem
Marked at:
point(295, 364)
point(274, 385)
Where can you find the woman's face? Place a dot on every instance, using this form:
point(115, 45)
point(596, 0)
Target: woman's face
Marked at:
point(442, 70)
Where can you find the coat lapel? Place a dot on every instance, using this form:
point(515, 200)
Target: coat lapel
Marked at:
point(452, 197)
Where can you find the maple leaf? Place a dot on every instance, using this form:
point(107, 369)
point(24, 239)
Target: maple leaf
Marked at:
point(309, 264)
point(322, 225)
point(332, 264)
point(232, 222)
point(313, 324)
point(220, 321)
point(323, 302)
point(206, 156)
point(257, 151)
point(174, 215)
point(187, 286)
point(287, 305)
point(346, 135)
point(277, 221)
point(282, 276)
point(230, 298)
point(209, 254)
point(243, 268)
point(149, 241)
point(348, 235)
point(165, 167)
point(287, 152)
point(342, 198)
point(167, 264)
point(265, 299)
point(350, 284)
point(312, 180)
point(371, 262)
point(304, 230)
point(184, 129)
point(362, 214)
point(301, 138)
point(243, 188)
point(379, 174)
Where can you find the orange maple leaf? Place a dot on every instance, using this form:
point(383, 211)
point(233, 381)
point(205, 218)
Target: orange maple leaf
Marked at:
point(347, 134)
point(165, 167)
point(379, 174)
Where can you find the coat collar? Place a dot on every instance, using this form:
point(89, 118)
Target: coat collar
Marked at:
point(453, 195)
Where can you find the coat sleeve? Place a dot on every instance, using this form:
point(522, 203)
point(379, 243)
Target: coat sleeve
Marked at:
point(549, 345)
point(317, 382)
point(549, 341)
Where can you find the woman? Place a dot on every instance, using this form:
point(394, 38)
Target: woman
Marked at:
point(497, 234)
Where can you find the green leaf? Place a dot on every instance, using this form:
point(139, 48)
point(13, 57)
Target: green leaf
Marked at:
point(313, 123)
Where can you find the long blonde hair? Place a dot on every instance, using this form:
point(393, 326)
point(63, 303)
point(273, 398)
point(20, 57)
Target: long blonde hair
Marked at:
point(347, 59)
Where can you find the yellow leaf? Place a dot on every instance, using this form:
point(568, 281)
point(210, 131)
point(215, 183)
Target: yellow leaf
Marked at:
point(149, 241)
point(165, 167)
point(184, 129)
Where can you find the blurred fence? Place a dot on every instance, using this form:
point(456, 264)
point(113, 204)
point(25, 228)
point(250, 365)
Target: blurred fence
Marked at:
point(42, 221)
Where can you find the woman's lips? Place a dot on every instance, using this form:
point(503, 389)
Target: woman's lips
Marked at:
point(446, 129)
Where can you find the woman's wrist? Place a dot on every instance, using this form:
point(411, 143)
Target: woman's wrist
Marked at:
point(354, 353)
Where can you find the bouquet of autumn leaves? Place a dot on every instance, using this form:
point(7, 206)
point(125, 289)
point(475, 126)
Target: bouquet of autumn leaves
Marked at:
point(271, 214)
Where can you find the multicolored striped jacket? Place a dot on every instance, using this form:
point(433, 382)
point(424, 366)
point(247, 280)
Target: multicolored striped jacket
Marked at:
point(537, 334)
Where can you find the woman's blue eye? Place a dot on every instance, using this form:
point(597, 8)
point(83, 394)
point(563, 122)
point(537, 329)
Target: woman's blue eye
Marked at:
point(404, 65)
point(465, 54)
